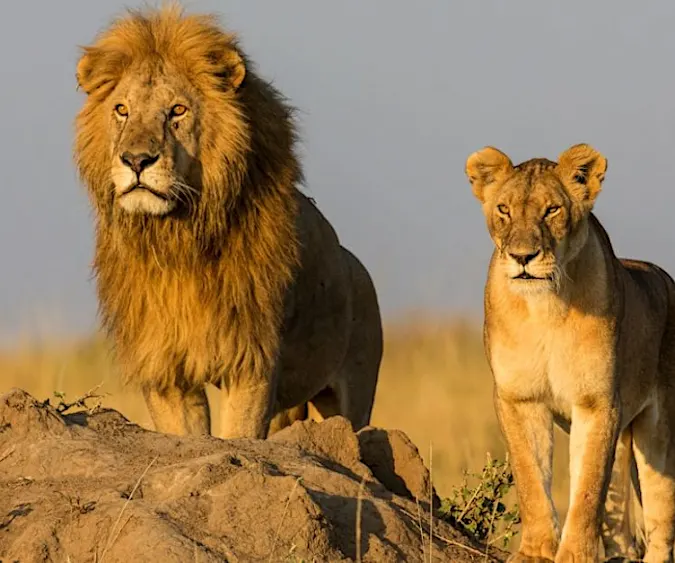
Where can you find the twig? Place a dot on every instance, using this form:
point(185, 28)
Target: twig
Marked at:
point(283, 516)
point(81, 402)
point(8, 452)
point(431, 502)
point(359, 502)
point(419, 525)
point(460, 545)
point(492, 523)
point(446, 540)
point(112, 540)
point(473, 498)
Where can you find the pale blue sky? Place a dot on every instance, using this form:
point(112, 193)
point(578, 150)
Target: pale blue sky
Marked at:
point(393, 96)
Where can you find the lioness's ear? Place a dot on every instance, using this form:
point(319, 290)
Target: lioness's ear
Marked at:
point(231, 67)
point(98, 68)
point(582, 169)
point(485, 167)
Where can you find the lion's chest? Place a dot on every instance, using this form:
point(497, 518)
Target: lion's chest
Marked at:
point(557, 364)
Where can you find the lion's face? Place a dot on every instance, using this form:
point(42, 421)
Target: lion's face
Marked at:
point(536, 212)
point(154, 140)
point(162, 108)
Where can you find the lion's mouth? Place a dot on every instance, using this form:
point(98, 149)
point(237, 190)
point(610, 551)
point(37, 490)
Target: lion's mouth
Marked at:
point(143, 187)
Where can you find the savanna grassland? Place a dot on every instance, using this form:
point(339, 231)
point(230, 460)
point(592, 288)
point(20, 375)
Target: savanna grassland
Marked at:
point(434, 384)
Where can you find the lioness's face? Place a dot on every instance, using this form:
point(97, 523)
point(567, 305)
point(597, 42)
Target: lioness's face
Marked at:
point(154, 138)
point(536, 212)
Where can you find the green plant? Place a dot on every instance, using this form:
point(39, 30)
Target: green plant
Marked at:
point(480, 511)
point(62, 407)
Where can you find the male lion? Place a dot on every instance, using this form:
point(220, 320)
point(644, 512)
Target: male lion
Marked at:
point(211, 266)
point(575, 335)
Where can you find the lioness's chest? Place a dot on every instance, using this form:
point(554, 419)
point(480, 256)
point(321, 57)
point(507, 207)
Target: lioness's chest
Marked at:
point(559, 365)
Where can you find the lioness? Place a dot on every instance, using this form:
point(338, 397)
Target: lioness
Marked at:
point(575, 335)
point(211, 266)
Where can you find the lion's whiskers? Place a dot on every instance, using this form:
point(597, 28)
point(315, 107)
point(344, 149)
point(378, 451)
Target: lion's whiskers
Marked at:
point(185, 193)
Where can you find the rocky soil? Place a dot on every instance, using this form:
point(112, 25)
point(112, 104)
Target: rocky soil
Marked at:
point(93, 487)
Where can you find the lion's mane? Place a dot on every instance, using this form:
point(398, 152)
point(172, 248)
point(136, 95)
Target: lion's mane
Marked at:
point(198, 293)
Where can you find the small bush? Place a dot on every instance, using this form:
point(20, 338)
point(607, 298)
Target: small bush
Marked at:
point(481, 511)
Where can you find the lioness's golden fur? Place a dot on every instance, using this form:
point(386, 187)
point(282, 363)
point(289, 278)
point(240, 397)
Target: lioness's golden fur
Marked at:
point(575, 335)
point(211, 266)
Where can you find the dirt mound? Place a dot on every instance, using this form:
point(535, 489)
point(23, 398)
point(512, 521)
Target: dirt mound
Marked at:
point(95, 487)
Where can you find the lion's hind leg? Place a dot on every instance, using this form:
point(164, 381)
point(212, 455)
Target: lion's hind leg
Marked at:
point(357, 380)
point(323, 405)
point(287, 417)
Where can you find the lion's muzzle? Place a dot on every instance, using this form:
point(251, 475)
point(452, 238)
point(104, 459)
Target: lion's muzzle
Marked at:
point(138, 162)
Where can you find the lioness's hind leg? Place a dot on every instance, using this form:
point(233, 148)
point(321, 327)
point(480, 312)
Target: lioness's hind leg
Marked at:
point(654, 441)
point(618, 527)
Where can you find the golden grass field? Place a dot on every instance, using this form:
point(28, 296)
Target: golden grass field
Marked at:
point(434, 384)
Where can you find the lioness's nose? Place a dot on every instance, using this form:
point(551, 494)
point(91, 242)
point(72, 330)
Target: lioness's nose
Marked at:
point(138, 162)
point(523, 259)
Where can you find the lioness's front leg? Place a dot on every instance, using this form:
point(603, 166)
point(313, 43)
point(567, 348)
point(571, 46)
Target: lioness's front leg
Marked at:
point(179, 411)
point(528, 430)
point(593, 439)
point(247, 411)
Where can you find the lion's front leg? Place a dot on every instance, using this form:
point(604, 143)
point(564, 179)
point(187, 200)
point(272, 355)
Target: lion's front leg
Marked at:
point(247, 411)
point(593, 439)
point(179, 411)
point(528, 430)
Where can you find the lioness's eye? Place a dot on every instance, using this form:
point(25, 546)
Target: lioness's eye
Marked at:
point(178, 110)
point(553, 210)
point(503, 209)
point(121, 110)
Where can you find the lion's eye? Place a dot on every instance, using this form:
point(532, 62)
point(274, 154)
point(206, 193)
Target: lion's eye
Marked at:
point(552, 210)
point(503, 209)
point(121, 110)
point(178, 110)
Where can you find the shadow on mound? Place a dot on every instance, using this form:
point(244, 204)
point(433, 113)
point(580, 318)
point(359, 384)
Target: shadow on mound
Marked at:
point(95, 487)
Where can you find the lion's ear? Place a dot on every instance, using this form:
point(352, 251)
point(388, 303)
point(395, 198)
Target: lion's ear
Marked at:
point(582, 169)
point(485, 168)
point(230, 65)
point(99, 69)
point(85, 68)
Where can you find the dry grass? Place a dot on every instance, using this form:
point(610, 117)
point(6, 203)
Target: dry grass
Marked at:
point(434, 384)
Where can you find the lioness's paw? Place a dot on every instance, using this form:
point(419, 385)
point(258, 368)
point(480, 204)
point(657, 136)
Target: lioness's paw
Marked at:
point(522, 558)
point(568, 555)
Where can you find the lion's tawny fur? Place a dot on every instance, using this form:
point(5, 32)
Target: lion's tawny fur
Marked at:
point(202, 294)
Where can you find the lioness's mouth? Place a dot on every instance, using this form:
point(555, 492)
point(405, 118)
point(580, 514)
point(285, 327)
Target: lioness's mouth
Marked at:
point(143, 187)
point(528, 276)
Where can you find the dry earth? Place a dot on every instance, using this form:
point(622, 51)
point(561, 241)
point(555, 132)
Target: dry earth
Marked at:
point(94, 487)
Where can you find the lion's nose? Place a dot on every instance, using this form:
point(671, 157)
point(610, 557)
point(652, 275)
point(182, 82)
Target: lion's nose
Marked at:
point(523, 259)
point(138, 162)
